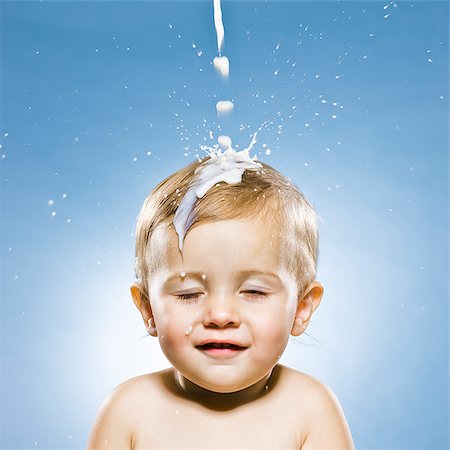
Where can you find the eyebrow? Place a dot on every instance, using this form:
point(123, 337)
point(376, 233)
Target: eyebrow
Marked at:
point(198, 275)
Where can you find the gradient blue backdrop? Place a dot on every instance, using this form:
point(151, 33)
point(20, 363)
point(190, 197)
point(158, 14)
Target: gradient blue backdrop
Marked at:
point(101, 100)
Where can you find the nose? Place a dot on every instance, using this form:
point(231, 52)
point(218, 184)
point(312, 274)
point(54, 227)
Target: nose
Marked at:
point(221, 312)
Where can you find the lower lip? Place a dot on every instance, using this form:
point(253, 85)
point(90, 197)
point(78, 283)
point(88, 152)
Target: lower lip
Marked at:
point(225, 352)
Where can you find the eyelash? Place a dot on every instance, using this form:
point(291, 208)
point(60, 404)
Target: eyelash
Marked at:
point(195, 295)
point(192, 296)
point(255, 293)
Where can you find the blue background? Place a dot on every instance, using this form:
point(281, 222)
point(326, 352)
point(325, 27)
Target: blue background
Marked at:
point(101, 100)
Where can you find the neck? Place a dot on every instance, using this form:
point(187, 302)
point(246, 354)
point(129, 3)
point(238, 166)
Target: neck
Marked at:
point(222, 401)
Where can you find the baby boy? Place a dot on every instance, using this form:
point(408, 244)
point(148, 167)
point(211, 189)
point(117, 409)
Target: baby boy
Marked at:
point(226, 253)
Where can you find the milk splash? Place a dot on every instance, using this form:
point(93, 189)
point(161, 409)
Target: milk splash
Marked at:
point(227, 166)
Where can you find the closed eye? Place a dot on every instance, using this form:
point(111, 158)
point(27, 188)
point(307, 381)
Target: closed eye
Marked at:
point(253, 293)
point(189, 296)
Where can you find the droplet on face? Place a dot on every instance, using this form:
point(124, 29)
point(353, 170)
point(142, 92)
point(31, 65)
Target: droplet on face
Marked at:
point(203, 277)
point(182, 274)
point(188, 330)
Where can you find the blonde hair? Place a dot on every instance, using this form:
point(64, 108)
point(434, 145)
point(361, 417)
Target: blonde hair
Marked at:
point(265, 194)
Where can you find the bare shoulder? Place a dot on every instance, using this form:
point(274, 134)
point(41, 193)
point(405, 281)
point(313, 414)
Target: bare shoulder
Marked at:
point(121, 411)
point(323, 421)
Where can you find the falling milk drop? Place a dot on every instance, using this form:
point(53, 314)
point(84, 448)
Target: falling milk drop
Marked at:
point(222, 65)
point(224, 106)
point(224, 142)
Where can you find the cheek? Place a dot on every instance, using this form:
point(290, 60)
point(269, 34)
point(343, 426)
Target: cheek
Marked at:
point(286, 321)
point(175, 323)
point(275, 325)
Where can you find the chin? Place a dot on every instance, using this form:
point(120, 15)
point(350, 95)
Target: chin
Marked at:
point(225, 388)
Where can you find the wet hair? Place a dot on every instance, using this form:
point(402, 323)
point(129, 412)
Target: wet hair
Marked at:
point(265, 194)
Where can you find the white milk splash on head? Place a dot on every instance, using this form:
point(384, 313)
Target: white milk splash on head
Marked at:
point(227, 166)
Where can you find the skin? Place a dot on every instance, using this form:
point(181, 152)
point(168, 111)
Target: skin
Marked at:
point(225, 301)
point(241, 291)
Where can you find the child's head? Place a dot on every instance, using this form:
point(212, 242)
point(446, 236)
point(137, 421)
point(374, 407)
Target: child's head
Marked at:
point(243, 282)
point(266, 195)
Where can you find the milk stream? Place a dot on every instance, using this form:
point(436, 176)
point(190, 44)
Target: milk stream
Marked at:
point(218, 24)
point(225, 163)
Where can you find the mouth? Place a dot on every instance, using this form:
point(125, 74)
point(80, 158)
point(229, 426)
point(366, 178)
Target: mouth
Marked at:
point(220, 346)
point(221, 349)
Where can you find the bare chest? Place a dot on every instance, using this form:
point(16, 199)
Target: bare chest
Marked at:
point(178, 428)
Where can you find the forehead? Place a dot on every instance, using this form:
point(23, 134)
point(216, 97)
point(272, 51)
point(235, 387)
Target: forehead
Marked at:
point(223, 246)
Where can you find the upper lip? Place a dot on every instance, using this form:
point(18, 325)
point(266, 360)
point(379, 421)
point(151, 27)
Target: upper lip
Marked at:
point(221, 341)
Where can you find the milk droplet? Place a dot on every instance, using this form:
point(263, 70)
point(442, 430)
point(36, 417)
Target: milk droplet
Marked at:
point(182, 274)
point(203, 277)
point(188, 330)
point(224, 142)
point(268, 152)
point(51, 202)
point(222, 65)
point(224, 106)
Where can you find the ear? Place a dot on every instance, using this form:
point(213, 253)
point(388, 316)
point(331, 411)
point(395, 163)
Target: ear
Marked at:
point(306, 305)
point(143, 304)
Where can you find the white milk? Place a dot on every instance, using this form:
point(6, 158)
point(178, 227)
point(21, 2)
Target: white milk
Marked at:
point(222, 65)
point(218, 24)
point(224, 106)
point(227, 166)
point(224, 142)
